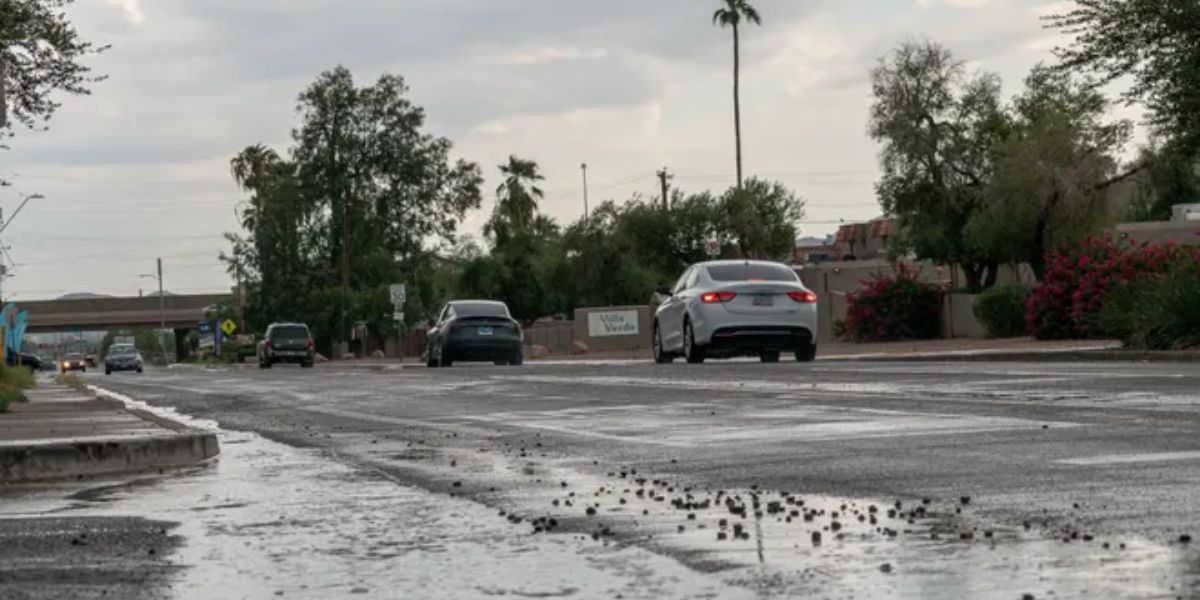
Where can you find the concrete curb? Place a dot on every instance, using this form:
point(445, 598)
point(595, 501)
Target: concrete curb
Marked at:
point(168, 444)
point(70, 460)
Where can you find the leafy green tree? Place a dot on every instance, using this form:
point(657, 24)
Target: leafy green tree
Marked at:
point(732, 14)
point(1157, 42)
point(361, 170)
point(939, 130)
point(1052, 172)
point(41, 53)
point(761, 219)
point(1171, 176)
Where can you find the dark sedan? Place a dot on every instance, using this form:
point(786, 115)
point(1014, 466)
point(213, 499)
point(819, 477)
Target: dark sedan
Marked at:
point(475, 330)
point(73, 362)
point(21, 359)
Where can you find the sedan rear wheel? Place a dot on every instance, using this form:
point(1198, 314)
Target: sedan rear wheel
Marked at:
point(692, 352)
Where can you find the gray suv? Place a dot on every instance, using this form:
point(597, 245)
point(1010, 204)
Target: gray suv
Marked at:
point(123, 357)
point(286, 343)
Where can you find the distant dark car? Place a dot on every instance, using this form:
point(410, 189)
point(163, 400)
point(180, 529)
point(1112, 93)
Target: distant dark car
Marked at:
point(475, 330)
point(30, 361)
point(286, 343)
point(91, 360)
point(123, 357)
point(73, 362)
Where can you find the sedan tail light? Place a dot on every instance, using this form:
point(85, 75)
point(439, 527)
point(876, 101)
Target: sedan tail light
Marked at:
point(268, 343)
point(804, 297)
point(310, 344)
point(717, 297)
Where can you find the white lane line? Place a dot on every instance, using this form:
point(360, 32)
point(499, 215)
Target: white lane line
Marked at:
point(1128, 459)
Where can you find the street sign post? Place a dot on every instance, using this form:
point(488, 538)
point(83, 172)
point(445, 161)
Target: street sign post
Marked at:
point(399, 294)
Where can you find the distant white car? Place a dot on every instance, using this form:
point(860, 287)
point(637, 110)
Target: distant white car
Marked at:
point(723, 309)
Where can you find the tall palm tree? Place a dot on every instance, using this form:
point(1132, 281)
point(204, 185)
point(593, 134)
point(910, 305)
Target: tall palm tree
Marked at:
point(252, 170)
point(251, 165)
point(518, 196)
point(732, 14)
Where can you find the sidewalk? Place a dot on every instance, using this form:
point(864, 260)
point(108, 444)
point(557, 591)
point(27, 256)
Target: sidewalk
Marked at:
point(64, 433)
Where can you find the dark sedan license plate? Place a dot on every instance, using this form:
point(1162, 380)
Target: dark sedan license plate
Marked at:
point(764, 301)
point(487, 331)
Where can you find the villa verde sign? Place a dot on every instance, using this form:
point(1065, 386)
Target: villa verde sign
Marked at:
point(613, 323)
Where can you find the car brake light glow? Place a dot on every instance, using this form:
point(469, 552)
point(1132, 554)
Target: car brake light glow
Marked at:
point(717, 297)
point(804, 297)
point(310, 344)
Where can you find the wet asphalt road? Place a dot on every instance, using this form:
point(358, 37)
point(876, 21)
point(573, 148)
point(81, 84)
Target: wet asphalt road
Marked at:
point(1056, 480)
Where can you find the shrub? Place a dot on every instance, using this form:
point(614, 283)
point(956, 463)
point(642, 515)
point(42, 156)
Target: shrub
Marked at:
point(1002, 310)
point(70, 380)
point(8, 395)
point(839, 329)
point(891, 308)
point(1067, 304)
point(1162, 313)
point(17, 377)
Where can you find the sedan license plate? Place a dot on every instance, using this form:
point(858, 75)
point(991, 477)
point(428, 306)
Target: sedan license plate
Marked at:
point(764, 301)
point(487, 331)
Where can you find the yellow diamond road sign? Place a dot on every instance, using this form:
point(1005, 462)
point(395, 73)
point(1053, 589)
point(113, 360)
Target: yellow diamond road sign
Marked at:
point(228, 326)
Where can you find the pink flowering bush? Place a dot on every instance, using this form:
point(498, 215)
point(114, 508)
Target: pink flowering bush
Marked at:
point(895, 307)
point(1067, 303)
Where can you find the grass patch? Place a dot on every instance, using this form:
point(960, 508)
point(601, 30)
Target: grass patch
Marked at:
point(70, 380)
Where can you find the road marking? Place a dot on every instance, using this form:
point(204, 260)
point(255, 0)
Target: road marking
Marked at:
point(1127, 459)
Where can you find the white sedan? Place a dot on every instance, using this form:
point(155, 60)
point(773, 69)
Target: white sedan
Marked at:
point(727, 308)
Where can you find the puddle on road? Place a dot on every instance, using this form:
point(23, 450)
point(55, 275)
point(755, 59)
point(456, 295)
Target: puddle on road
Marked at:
point(267, 520)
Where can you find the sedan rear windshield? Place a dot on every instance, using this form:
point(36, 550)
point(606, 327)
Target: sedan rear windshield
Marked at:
point(751, 272)
point(480, 309)
point(290, 332)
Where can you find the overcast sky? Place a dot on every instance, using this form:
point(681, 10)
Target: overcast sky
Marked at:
point(140, 168)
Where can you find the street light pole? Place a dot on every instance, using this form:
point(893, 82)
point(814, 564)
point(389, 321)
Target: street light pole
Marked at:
point(162, 310)
point(18, 211)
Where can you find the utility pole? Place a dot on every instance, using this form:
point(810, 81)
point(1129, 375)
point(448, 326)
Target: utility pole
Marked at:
point(241, 306)
point(585, 191)
point(664, 176)
point(345, 271)
point(3, 92)
point(162, 314)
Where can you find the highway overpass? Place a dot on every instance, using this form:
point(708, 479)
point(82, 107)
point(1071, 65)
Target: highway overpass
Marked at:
point(181, 312)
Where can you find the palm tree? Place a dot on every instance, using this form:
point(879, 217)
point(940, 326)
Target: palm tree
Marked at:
point(731, 15)
point(252, 170)
point(518, 196)
point(251, 165)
